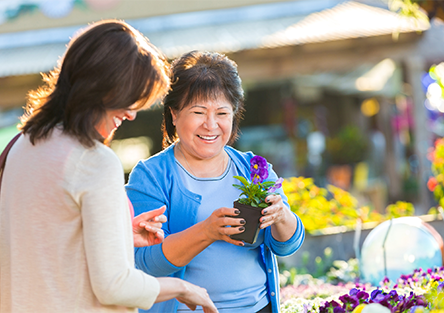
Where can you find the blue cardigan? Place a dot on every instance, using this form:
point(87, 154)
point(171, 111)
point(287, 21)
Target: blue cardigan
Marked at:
point(156, 182)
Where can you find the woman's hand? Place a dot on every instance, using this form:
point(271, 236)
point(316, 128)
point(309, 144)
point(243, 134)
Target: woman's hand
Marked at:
point(278, 216)
point(186, 293)
point(180, 248)
point(147, 228)
point(195, 296)
point(215, 225)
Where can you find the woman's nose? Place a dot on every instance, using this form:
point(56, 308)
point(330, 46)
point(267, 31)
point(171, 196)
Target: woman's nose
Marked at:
point(210, 122)
point(130, 115)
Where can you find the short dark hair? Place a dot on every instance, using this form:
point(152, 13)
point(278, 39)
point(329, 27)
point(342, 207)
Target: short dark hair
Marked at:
point(108, 66)
point(202, 76)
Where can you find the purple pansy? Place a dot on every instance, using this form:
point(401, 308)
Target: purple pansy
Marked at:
point(258, 169)
point(277, 185)
point(331, 306)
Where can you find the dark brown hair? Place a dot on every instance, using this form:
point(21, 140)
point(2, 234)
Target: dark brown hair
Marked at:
point(108, 66)
point(202, 76)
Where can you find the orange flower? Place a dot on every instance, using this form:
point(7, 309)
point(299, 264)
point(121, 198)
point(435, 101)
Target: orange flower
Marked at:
point(432, 183)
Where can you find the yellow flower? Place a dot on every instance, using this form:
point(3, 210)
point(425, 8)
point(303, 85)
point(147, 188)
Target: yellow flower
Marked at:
point(359, 308)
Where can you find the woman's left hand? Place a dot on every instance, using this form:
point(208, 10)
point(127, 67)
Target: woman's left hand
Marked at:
point(275, 213)
point(278, 216)
point(147, 228)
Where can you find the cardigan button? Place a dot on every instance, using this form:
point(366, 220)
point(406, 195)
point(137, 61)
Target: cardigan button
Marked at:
point(272, 294)
point(269, 270)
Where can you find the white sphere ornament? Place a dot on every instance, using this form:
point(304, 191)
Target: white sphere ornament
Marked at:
point(375, 308)
point(399, 246)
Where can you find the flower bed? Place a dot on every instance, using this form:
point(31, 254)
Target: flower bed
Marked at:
point(321, 208)
point(419, 292)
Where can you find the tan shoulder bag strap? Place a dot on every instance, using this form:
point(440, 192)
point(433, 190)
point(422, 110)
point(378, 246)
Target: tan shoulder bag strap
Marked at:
point(5, 154)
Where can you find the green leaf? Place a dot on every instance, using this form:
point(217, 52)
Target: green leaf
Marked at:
point(242, 179)
point(243, 200)
point(239, 186)
point(263, 205)
point(268, 184)
point(253, 204)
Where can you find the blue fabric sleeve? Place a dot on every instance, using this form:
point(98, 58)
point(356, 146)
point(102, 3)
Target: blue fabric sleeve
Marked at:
point(152, 261)
point(290, 246)
point(145, 194)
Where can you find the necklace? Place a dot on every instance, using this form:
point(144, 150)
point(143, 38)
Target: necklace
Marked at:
point(188, 164)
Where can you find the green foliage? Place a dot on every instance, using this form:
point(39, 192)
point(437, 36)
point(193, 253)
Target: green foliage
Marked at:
point(409, 8)
point(435, 297)
point(323, 265)
point(400, 209)
point(253, 194)
point(348, 146)
point(343, 271)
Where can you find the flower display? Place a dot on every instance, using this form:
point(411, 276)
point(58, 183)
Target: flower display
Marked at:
point(420, 292)
point(320, 208)
point(255, 190)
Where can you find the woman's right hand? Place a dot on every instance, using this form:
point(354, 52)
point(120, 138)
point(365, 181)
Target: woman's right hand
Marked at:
point(194, 296)
point(215, 225)
point(186, 293)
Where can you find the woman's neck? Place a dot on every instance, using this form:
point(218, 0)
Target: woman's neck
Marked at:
point(203, 168)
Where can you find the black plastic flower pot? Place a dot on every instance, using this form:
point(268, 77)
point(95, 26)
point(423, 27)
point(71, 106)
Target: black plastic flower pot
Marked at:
point(251, 215)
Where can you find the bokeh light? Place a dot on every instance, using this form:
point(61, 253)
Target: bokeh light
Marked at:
point(433, 85)
point(370, 107)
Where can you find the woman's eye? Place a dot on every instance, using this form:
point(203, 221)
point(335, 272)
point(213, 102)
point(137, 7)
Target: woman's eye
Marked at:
point(197, 112)
point(225, 115)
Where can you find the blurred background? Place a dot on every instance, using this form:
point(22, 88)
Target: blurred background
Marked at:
point(346, 92)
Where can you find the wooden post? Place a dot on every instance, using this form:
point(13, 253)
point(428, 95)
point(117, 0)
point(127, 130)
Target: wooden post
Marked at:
point(415, 67)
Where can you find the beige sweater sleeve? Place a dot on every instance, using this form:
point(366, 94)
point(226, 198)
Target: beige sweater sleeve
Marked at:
point(98, 187)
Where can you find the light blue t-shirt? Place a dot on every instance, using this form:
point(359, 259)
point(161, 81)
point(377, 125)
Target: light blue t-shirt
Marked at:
point(246, 290)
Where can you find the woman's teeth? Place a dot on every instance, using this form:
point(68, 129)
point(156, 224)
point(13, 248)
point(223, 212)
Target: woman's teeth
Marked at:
point(117, 121)
point(208, 137)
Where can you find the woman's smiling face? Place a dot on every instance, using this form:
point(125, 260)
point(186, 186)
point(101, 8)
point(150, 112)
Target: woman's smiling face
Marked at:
point(113, 119)
point(204, 127)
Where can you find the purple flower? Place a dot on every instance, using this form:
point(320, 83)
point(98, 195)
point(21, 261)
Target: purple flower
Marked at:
point(338, 310)
point(258, 169)
point(276, 186)
point(408, 302)
point(362, 296)
point(328, 306)
point(375, 293)
point(349, 302)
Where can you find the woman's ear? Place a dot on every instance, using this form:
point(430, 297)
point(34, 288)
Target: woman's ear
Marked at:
point(173, 116)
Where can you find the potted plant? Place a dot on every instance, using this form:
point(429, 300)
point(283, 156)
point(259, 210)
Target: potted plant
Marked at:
point(252, 199)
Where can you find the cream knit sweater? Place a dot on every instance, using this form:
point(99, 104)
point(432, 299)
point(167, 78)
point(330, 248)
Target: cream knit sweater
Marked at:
point(65, 233)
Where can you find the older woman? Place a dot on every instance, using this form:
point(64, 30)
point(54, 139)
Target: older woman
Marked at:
point(193, 177)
